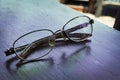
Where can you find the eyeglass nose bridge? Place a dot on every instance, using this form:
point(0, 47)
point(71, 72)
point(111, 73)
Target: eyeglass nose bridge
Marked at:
point(51, 41)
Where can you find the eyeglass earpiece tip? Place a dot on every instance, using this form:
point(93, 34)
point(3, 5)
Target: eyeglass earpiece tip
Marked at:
point(6, 52)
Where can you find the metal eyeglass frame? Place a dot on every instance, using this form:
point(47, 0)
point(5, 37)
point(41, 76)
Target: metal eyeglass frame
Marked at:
point(56, 35)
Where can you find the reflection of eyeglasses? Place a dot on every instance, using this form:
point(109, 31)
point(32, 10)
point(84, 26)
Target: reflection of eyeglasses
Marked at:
point(77, 29)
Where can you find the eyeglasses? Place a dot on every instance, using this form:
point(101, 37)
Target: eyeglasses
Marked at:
point(39, 43)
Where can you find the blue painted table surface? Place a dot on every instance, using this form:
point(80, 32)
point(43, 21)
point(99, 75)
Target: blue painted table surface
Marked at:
point(97, 59)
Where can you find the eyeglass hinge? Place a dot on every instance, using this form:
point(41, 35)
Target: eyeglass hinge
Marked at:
point(9, 51)
point(91, 21)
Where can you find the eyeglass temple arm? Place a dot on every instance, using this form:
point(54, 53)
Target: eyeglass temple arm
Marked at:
point(34, 44)
point(20, 48)
point(80, 26)
point(57, 35)
point(84, 25)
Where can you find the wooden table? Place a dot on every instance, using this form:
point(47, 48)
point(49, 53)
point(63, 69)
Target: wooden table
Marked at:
point(97, 59)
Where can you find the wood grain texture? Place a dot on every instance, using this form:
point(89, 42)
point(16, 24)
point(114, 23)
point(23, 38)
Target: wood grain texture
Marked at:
point(95, 59)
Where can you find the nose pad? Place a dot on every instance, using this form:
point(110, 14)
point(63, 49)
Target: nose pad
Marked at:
point(63, 35)
point(52, 41)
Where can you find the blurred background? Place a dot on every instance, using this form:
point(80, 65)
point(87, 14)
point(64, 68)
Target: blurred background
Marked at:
point(105, 11)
